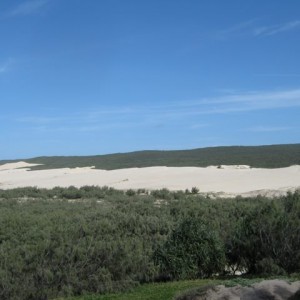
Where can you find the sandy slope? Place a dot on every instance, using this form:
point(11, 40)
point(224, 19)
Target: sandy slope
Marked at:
point(268, 289)
point(17, 165)
point(228, 179)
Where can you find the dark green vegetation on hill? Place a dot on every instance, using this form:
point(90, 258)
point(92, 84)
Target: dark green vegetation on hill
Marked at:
point(273, 156)
point(67, 241)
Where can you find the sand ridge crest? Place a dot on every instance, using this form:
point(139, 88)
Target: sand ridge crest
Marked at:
point(17, 165)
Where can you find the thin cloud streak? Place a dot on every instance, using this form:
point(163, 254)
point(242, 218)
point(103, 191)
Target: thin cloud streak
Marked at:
point(277, 75)
point(5, 67)
point(150, 116)
point(291, 97)
point(248, 29)
point(27, 8)
point(39, 120)
point(272, 30)
point(237, 30)
point(241, 101)
point(269, 129)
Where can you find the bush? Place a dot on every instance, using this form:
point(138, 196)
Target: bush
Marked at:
point(267, 267)
point(162, 194)
point(266, 237)
point(195, 190)
point(130, 192)
point(51, 247)
point(193, 250)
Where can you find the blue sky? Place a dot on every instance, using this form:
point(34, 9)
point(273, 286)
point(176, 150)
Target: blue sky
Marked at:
point(81, 77)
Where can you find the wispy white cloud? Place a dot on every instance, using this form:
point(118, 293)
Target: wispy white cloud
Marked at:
point(239, 102)
point(3, 69)
point(6, 66)
point(198, 126)
point(269, 128)
point(39, 120)
point(272, 30)
point(27, 8)
point(236, 30)
point(261, 99)
point(153, 116)
point(278, 75)
point(250, 29)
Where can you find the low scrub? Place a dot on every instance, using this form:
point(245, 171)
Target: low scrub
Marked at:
point(68, 242)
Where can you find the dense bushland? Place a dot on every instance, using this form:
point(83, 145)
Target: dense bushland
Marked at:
point(272, 156)
point(73, 241)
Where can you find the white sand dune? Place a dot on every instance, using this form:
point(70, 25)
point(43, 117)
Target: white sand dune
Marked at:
point(17, 165)
point(227, 180)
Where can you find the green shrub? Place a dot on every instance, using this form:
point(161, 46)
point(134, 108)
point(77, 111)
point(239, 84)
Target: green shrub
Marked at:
point(193, 250)
point(195, 190)
point(130, 192)
point(52, 247)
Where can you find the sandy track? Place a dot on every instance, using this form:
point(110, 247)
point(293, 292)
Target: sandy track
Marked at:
point(230, 180)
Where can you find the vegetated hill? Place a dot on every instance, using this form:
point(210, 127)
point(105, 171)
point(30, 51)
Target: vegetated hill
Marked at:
point(272, 156)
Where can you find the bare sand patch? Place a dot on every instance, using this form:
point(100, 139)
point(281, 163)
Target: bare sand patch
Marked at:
point(267, 289)
point(16, 165)
point(221, 181)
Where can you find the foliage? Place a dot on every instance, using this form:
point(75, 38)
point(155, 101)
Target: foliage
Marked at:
point(193, 250)
point(273, 156)
point(195, 190)
point(266, 237)
point(69, 241)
